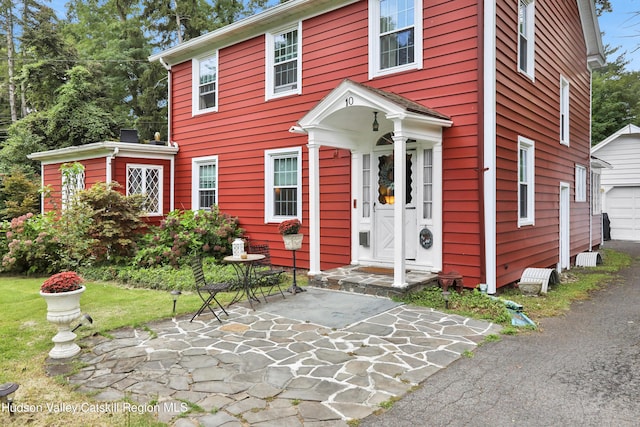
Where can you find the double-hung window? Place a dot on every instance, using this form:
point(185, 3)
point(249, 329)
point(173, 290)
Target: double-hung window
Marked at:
point(596, 197)
point(581, 183)
point(204, 172)
point(395, 36)
point(146, 180)
point(284, 62)
point(526, 37)
point(564, 111)
point(205, 84)
point(526, 185)
point(283, 184)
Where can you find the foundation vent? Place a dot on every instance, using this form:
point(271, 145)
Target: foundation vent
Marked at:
point(588, 259)
point(547, 276)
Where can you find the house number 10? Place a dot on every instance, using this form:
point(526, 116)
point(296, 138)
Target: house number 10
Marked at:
point(349, 101)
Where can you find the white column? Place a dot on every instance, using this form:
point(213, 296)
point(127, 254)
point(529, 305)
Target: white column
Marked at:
point(356, 203)
point(314, 207)
point(399, 180)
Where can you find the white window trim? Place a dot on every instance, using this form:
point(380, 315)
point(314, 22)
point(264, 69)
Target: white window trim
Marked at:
point(531, 39)
point(269, 156)
point(581, 183)
point(596, 193)
point(196, 162)
point(195, 84)
point(160, 186)
point(374, 41)
point(270, 63)
point(564, 111)
point(529, 146)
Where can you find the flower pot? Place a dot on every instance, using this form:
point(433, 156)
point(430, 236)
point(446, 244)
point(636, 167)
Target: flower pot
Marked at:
point(62, 309)
point(292, 242)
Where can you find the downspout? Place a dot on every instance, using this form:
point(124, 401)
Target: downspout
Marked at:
point(110, 165)
point(489, 143)
point(172, 172)
point(481, 169)
point(590, 186)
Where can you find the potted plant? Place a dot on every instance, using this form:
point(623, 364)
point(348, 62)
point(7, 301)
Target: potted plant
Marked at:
point(62, 293)
point(289, 230)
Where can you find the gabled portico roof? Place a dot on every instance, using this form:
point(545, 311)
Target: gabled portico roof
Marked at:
point(348, 109)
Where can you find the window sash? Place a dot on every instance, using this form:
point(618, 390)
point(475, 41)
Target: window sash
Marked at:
point(285, 186)
point(207, 185)
point(283, 62)
point(207, 83)
point(526, 190)
point(525, 36)
point(581, 183)
point(564, 111)
point(397, 33)
point(146, 180)
point(366, 186)
point(596, 198)
point(427, 184)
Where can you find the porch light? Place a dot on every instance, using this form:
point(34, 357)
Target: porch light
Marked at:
point(375, 125)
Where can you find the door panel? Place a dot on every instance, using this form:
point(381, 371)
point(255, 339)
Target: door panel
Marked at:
point(384, 204)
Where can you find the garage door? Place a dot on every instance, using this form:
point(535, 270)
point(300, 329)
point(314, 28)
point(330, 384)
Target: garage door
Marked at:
point(623, 207)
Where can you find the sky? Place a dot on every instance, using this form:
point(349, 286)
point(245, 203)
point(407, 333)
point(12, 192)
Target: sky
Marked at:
point(620, 27)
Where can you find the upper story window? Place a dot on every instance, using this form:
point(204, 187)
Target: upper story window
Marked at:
point(283, 184)
point(147, 180)
point(204, 173)
point(564, 111)
point(284, 62)
point(205, 84)
point(395, 36)
point(581, 183)
point(526, 38)
point(526, 184)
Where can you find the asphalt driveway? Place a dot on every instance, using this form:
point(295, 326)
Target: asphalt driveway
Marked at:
point(582, 369)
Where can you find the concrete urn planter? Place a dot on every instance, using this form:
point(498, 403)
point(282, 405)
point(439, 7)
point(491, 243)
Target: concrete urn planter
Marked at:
point(62, 309)
point(292, 242)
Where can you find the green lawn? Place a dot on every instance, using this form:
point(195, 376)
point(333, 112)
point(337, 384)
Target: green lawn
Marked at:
point(25, 340)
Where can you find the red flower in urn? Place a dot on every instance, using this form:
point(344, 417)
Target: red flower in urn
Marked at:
point(291, 226)
point(66, 281)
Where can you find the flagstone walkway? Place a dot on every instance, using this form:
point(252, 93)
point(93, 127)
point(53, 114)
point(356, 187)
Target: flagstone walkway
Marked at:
point(262, 369)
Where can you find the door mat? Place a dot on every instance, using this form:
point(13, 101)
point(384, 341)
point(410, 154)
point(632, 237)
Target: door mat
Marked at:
point(333, 309)
point(376, 270)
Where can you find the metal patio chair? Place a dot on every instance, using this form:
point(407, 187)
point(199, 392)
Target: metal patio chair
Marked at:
point(207, 291)
point(264, 274)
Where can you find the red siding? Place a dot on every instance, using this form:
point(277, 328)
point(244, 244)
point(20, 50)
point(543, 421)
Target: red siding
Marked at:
point(531, 109)
point(94, 171)
point(334, 47)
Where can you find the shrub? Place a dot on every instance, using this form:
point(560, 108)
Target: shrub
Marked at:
point(115, 225)
point(30, 244)
point(185, 233)
point(20, 195)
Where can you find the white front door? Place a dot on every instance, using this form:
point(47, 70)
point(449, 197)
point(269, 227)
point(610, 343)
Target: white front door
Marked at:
point(383, 202)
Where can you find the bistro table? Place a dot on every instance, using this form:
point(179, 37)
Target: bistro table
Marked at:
point(243, 267)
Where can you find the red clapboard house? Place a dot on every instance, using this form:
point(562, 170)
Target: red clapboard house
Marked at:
point(406, 134)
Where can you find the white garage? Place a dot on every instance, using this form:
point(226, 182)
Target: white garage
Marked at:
point(620, 184)
point(623, 208)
